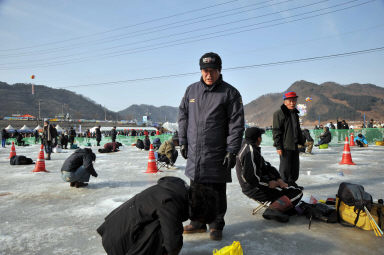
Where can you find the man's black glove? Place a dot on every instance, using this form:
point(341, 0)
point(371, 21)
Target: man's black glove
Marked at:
point(184, 151)
point(229, 160)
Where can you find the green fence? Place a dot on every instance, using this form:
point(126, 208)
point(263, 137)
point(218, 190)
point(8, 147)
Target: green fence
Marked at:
point(338, 135)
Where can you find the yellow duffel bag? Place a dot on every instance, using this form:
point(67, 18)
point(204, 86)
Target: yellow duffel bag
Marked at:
point(348, 214)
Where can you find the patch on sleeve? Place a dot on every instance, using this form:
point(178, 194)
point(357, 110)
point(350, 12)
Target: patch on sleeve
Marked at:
point(192, 100)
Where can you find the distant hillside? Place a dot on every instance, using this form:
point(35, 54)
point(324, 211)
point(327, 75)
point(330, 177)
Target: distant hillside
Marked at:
point(329, 101)
point(157, 114)
point(18, 98)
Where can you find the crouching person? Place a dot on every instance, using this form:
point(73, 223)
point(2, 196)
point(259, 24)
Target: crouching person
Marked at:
point(167, 153)
point(111, 147)
point(78, 168)
point(261, 181)
point(151, 221)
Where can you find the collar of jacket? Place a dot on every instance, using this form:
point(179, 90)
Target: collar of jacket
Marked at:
point(253, 144)
point(286, 110)
point(214, 85)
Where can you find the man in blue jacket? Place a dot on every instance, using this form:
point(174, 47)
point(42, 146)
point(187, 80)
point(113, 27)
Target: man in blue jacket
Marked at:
point(211, 126)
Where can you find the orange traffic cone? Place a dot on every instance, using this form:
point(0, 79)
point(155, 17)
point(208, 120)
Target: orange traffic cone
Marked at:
point(40, 162)
point(352, 140)
point(13, 151)
point(152, 167)
point(347, 158)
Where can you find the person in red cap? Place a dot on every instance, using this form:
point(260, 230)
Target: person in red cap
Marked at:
point(286, 138)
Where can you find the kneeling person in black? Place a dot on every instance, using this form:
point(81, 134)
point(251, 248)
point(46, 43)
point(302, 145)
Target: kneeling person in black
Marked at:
point(78, 168)
point(261, 181)
point(151, 221)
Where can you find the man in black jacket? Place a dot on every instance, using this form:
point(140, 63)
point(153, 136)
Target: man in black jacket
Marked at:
point(98, 135)
point(72, 136)
point(151, 221)
point(211, 126)
point(261, 181)
point(78, 168)
point(113, 134)
point(325, 137)
point(286, 138)
point(49, 138)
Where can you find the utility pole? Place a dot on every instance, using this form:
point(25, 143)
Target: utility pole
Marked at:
point(39, 110)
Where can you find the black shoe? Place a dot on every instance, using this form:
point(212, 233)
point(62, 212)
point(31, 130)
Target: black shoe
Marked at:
point(216, 234)
point(72, 184)
point(190, 229)
point(80, 184)
point(271, 214)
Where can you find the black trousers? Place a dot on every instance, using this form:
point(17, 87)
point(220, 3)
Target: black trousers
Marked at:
point(221, 203)
point(289, 166)
point(264, 194)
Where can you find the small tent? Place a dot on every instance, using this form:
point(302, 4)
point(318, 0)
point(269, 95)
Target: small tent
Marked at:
point(25, 129)
point(38, 128)
point(10, 129)
point(59, 129)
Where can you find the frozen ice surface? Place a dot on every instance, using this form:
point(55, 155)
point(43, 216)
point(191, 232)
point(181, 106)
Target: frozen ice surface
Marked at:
point(41, 214)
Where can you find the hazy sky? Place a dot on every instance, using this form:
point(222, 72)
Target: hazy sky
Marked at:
point(67, 43)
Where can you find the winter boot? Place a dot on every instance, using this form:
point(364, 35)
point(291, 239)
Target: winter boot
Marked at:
point(191, 229)
point(276, 210)
point(48, 157)
point(80, 184)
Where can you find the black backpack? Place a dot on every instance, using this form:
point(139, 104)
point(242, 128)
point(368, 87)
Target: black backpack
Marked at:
point(354, 195)
point(20, 160)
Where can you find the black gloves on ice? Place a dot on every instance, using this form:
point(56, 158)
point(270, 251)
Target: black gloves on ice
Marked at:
point(184, 151)
point(229, 160)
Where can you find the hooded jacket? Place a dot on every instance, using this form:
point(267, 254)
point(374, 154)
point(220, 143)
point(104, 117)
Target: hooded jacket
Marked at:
point(253, 172)
point(148, 222)
point(211, 123)
point(81, 157)
point(283, 128)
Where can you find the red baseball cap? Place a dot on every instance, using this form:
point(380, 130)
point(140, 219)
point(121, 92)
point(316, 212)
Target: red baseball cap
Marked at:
point(290, 94)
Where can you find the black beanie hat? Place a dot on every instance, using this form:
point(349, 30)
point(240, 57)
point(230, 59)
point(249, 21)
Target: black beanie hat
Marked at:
point(252, 133)
point(210, 60)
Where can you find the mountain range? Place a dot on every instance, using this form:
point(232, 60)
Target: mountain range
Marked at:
point(327, 102)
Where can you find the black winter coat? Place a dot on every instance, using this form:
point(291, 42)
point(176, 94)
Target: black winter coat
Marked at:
point(72, 135)
point(149, 222)
point(113, 134)
point(283, 136)
point(253, 172)
point(326, 137)
point(81, 157)
point(98, 134)
point(211, 123)
point(147, 144)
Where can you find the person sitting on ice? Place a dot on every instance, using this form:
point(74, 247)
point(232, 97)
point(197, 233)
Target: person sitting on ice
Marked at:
point(261, 181)
point(361, 141)
point(147, 143)
point(325, 137)
point(139, 144)
point(152, 221)
point(78, 168)
point(110, 147)
point(167, 153)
